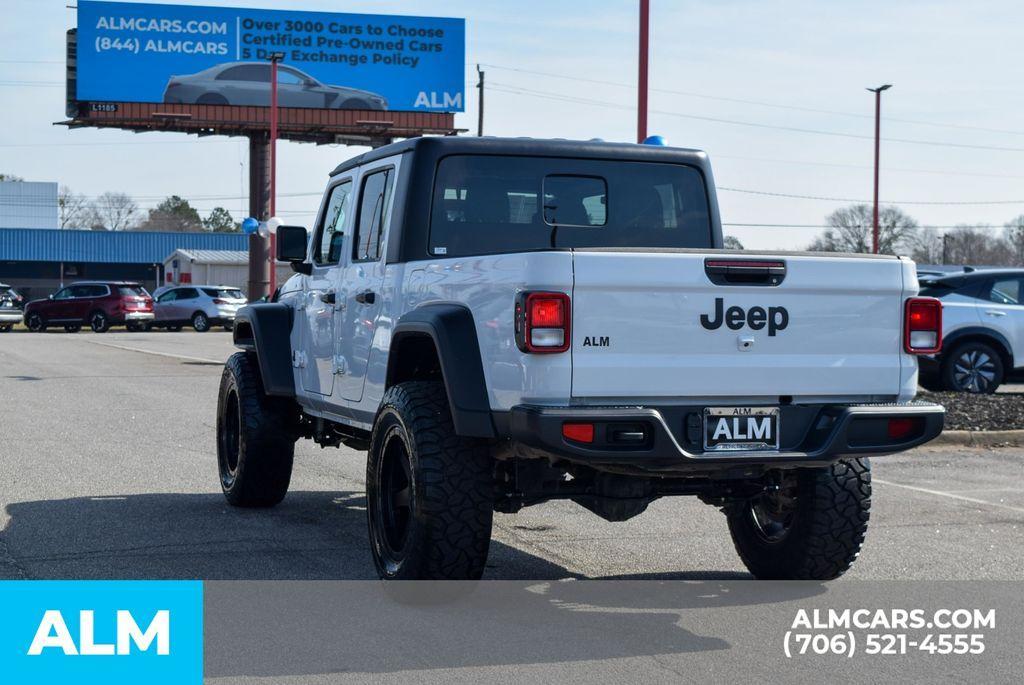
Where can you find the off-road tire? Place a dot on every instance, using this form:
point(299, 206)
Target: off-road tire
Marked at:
point(451, 494)
point(829, 521)
point(255, 437)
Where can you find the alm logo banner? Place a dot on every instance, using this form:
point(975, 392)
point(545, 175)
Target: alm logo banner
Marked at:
point(101, 631)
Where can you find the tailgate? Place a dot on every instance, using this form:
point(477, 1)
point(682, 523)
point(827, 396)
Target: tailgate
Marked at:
point(832, 327)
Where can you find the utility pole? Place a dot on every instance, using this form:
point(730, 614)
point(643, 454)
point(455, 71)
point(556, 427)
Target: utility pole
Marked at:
point(641, 95)
point(878, 130)
point(480, 112)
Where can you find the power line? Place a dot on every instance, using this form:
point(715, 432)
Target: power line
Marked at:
point(515, 90)
point(888, 202)
point(760, 103)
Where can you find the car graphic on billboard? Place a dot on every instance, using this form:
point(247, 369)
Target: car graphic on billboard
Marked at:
point(248, 83)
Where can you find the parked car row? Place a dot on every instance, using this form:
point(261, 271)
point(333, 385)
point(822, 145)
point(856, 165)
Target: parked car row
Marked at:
point(102, 304)
point(11, 304)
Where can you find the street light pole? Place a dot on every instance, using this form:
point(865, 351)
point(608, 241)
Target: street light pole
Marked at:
point(878, 129)
point(641, 95)
point(275, 57)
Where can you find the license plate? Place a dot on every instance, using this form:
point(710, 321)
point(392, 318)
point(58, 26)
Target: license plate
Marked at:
point(741, 428)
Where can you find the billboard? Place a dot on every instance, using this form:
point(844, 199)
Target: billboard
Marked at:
point(131, 52)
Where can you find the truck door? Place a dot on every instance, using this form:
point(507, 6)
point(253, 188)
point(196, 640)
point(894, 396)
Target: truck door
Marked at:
point(320, 297)
point(363, 277)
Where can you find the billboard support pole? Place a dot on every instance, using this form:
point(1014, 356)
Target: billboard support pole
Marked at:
point(641, 89)
point(259, 207)
point(480, 113)
point(272, 256)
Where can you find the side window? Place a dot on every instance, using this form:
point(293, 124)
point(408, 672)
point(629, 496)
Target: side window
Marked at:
point(1006, 291)
point(188, 294)
point(169, 296)
point(97, 291)
point(289, 77)
point(80, 291)
point(246, 72)
point(63, 294)
point(332, 228)
point(373, 215)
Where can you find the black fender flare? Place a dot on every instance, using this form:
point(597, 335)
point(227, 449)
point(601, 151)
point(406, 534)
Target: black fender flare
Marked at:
point(453, 332)
point(980, 332)
point(265, 329)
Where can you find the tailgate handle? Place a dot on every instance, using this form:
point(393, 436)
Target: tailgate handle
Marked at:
point(745, 271)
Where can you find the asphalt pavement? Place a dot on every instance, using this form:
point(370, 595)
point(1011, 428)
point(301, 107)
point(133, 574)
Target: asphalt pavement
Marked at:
point(109, 472)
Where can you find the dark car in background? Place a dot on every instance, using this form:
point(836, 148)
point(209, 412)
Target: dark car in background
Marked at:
point(98, 304)
point(11, 304)
point(248, 83)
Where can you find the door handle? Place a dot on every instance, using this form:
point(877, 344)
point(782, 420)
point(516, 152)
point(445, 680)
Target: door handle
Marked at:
point(994, 312)
point(366, 297)
point(328, 298)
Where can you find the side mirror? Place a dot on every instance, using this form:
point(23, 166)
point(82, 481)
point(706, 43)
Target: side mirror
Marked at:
point(50, 296)
point(292, 243)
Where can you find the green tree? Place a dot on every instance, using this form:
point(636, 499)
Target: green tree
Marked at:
point(220, 221)
point(173, 215)
point(10, 177)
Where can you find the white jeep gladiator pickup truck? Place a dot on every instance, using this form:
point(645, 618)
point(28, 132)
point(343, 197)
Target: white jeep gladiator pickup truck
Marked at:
point(503, 322)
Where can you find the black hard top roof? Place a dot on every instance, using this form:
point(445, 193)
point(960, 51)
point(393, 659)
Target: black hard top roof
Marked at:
point(538, 147)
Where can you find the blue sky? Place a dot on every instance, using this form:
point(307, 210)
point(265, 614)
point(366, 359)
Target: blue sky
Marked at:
point(717, 69)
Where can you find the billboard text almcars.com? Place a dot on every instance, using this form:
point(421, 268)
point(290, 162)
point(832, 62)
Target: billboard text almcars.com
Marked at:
point(130, 52)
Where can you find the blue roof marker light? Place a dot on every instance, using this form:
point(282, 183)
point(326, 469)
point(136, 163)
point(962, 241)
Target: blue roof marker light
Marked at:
point(655, 140)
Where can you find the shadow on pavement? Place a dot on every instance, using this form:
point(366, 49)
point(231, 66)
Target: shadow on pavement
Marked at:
point(309, 536)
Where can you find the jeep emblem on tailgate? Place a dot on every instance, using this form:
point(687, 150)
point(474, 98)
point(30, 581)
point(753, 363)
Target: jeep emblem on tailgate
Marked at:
point(776, 318)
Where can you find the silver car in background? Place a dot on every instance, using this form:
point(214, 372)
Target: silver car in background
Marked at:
point(200, 306)
point(11, 304)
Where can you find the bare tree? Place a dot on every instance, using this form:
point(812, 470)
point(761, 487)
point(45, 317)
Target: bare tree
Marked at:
point(1014, 237)
point(74, 209)
point(731, 242)
point(976, 245)
point(115, 212)
point(850, 230)
point(925, 246)
point(10, 177)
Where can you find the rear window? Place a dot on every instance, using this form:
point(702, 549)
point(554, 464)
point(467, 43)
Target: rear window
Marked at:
point(225, 293)
point(495, 204)
point(132, 291)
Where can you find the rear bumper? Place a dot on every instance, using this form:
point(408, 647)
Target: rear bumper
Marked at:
point(138, 316)
point(10, 316)
point(809, 435)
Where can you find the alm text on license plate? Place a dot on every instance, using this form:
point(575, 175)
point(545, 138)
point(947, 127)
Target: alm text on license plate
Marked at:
point(741, 428)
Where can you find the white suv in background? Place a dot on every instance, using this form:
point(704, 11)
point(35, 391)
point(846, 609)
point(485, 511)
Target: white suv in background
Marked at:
point(983, 330)
point(200, 306)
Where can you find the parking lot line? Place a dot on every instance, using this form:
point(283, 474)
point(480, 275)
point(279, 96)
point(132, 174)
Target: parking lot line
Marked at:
point(950, 495)
point(202, 360)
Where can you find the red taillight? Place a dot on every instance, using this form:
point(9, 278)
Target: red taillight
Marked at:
point(542, 322)
point(578, 432)
point(217, 300)
point(922, 332)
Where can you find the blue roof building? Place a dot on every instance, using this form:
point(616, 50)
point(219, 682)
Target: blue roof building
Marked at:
point(39, 261)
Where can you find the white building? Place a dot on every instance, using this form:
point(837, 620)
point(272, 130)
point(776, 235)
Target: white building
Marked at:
point(214, 267)
point(28, 204)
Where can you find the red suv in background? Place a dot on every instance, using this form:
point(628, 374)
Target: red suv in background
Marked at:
point(100, 304)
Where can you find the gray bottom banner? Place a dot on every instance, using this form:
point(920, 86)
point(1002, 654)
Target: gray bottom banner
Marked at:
point(613, 631)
